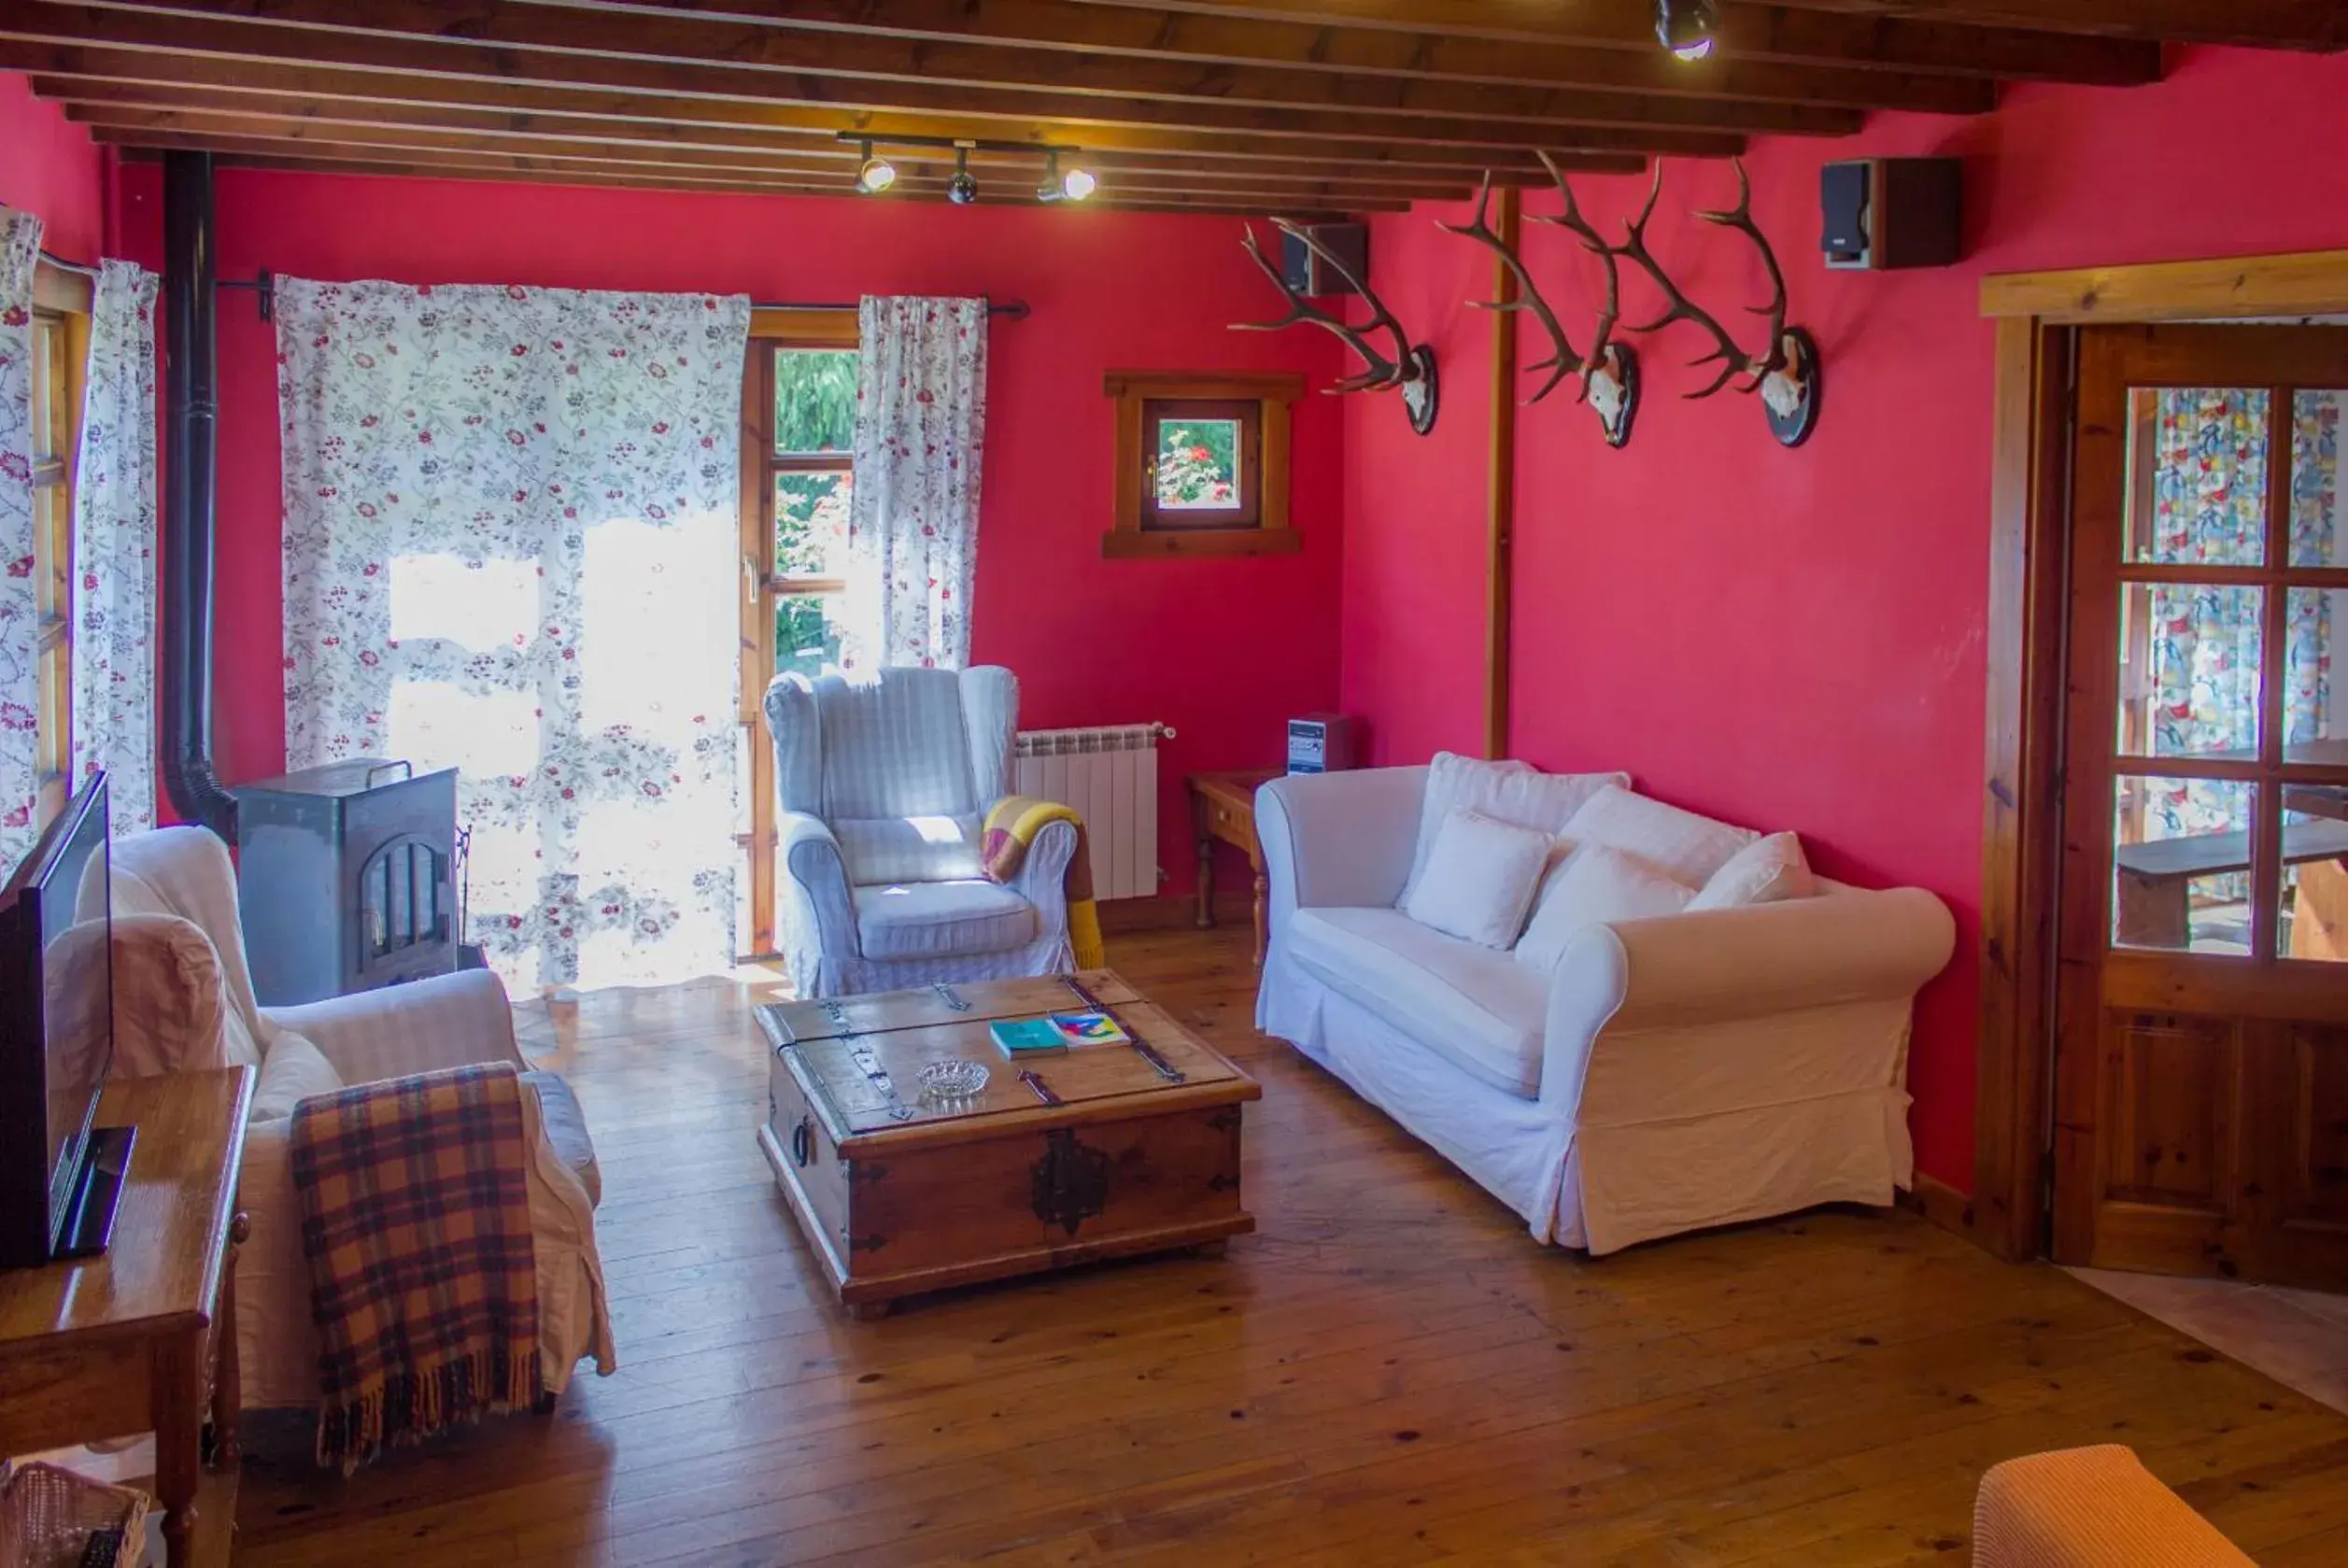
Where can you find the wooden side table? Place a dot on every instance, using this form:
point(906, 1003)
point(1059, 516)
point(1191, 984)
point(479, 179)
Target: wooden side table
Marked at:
point(1222, 807)
point(143, 1337)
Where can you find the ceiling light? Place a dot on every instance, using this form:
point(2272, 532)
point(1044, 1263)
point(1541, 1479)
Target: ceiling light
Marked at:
point(1073, 186)
point(1688, 28)
point(875, 173)
point(1077, 184)
point(962, 189)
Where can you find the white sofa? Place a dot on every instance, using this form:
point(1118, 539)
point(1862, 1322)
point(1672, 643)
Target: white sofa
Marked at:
point(1697, 1070)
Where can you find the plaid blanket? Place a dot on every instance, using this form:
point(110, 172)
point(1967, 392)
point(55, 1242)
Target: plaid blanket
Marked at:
point(1011, 827)
point(423, 1276)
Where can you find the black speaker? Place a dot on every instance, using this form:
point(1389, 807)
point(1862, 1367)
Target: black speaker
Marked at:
point(1884, 213)
point(1307, 273)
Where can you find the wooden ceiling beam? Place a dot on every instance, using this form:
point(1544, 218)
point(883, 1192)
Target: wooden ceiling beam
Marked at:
point(186, 49)
point(134, 104)
point(1216, 39)
point(1780, 30)
point(75, 75)
point(234, 152)
point(674, 53)
point(833, 165)
point(2304, 25)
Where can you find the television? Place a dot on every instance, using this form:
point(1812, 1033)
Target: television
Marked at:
point(60, 1177)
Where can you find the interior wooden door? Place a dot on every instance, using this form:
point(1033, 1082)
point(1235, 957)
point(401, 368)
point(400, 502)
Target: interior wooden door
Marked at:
point(2202, 1063)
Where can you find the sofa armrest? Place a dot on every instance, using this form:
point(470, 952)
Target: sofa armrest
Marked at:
point(1700, 978)
point(816, 904)
point(170, 1008)
point(2081, 1508)
point(1336, 840)
point(425, 1025)
point(1043, 876)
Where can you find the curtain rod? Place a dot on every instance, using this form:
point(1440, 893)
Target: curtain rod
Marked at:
point(1015, 310)
point(63, 265)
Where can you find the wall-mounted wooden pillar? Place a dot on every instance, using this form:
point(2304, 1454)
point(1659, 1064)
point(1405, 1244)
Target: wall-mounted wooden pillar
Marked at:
point(1501, 492)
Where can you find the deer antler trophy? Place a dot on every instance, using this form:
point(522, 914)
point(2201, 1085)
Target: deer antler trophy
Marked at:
point(1408, 366)
point(1608, 375)
point(1787, 372)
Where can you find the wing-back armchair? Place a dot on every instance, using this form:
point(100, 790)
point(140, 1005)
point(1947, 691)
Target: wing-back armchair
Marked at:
point(184, 999)
point(886, 782)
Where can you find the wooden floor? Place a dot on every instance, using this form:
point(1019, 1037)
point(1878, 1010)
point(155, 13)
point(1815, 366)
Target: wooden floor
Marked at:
point(1390, 1370)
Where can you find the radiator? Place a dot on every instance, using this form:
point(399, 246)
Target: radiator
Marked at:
point(1110, 774)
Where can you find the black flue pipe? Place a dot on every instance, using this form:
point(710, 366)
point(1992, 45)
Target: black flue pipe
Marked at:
point(191, 405)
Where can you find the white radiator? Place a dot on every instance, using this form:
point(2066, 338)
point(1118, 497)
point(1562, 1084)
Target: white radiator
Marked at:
point(1110, 774)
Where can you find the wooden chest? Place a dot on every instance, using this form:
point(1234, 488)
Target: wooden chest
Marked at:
point(1138, 1151)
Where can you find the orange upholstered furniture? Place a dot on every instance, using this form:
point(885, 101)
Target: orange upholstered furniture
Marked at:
point(2089, 1508)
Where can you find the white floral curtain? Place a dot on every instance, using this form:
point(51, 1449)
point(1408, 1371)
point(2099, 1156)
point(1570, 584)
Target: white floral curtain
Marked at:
point(114, 550)
point(19, 656)
point(912, 526)
point(509, 548)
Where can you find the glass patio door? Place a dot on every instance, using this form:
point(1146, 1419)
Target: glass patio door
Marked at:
point(2202, 1078)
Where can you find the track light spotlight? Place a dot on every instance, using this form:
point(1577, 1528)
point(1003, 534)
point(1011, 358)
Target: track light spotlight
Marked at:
point(962, 189)
point(1077, 184)
point(1072, 185)
point(874, 175)
point(1688, 28)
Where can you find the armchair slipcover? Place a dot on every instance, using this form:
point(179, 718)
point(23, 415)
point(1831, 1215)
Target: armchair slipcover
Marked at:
point(884, 784)
point(184, 1000)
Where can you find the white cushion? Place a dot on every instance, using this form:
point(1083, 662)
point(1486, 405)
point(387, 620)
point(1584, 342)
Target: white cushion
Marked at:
point(292, 1072)
point(1596, 886)
point(1480, 881)
point(941, 919)
point(1511, 792)
point(1762, 872)
point(1469, 1005)
point(1682, 846)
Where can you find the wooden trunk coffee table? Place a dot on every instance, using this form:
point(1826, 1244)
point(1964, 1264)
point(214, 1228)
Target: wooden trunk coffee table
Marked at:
point(900, 1196)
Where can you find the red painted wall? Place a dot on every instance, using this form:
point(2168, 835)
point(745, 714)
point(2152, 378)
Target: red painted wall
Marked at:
point(1795, 639)
point(1223, 650)
point(49, 166)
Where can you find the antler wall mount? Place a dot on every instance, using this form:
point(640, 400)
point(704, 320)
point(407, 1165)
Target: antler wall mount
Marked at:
point(1788, 373)
point(1408, 367)
point(1606, 377)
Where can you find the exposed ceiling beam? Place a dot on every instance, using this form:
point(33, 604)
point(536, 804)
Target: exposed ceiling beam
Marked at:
point(835, 167)
point(133, 105)
point(77, 75)
point(611, 48)
point(1749, 31)
point(1213, 40)
point(185, 46)
point(539, 171)
point(2310, 24)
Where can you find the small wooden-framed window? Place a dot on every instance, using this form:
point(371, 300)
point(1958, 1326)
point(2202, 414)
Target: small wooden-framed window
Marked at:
point(1202, 463)
point(60, 357)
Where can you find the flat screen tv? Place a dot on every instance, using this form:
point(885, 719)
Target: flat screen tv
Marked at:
point(59, 1178)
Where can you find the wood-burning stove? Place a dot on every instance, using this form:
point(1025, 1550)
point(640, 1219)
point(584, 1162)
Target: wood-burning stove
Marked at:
point(347, 878)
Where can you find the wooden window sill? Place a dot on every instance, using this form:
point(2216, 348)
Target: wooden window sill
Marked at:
point(1132, 545)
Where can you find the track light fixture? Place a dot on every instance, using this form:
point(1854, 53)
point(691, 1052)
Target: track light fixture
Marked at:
point(1688, 28)
point(874, 175)
point(962, 189)
point(1073, 185)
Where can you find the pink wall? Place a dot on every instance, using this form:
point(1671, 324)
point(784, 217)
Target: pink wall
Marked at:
point(50, 167)
point(1795, 639)
point(1223, 650)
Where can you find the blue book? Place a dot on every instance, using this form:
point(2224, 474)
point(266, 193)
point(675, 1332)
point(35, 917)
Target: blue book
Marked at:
point(1022, 1038)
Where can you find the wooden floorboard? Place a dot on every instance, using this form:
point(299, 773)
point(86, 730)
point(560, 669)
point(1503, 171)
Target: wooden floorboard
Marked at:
point(1388, 1372)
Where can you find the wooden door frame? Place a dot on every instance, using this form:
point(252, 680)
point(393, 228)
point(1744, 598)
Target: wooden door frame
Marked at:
point(2037, 317)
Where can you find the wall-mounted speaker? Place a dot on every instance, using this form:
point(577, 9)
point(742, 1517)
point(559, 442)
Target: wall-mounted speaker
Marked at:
point(1884, 213)
point(1307, 273)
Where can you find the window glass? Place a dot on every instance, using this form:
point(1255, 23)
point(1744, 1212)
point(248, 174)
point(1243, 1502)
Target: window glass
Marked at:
point(814, 401)
point(1198, 465)
point(2317, 522)
point(2198, 464)
point(2191, 669)
point(2180, 864)
point(811, 521)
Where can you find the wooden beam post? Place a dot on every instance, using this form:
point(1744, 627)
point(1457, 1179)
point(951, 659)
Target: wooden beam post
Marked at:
point(1500, 493)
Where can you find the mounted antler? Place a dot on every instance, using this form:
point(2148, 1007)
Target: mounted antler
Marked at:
point(1606, 377)
point(1786, 370)
point(1410, 367)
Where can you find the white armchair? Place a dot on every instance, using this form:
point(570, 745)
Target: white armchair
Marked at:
point(884, 784)
point(1668, 1074)
point(184, 999)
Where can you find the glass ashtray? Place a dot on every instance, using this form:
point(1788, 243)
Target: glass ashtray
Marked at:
point(951, 1080)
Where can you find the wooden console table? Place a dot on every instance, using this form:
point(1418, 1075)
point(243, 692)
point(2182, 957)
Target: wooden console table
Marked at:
point(1222, 807)
point(142, 1337)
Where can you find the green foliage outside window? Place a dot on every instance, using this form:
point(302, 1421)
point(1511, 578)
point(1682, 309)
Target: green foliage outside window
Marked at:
point(1199, 463)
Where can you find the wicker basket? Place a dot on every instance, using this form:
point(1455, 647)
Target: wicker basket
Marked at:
point(47, 1516)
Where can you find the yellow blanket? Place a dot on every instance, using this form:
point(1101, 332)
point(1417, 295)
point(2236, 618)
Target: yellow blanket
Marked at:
point(1011, 827)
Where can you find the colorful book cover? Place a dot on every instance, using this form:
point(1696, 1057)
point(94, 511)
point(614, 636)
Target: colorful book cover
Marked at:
point(1027, 1037)
point(1089, 1028)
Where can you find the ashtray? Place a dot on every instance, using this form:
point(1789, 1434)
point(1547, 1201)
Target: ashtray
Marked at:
point(951, 1080)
